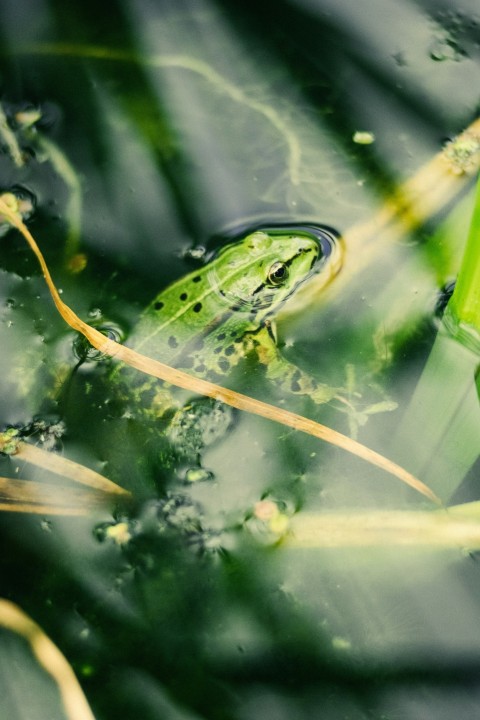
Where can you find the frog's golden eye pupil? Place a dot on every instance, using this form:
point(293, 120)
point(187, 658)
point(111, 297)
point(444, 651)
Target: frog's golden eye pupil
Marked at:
point(277, 274)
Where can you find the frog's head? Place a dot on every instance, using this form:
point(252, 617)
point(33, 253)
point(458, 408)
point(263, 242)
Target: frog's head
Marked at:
point(261, 271)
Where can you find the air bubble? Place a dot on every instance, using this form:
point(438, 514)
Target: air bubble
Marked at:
point(196, 253)
point(95, 314)
point(87, 353)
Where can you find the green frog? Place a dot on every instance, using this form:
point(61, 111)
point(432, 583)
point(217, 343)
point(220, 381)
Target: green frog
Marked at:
point(208, 321)
point(215, 317)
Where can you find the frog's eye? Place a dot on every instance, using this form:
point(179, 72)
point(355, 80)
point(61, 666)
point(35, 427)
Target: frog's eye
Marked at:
point(277, 274)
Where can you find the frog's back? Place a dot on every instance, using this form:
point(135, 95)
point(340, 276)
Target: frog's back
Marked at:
point(176, 317)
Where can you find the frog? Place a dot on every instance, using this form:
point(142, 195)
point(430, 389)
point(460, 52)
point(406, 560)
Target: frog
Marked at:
point(214, 317)
point(217, 316)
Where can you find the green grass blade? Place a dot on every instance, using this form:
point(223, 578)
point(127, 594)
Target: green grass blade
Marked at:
point(463, 313)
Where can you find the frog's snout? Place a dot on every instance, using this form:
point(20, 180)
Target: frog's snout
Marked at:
point(328, 249)
point(306, 254)
point(314, 251)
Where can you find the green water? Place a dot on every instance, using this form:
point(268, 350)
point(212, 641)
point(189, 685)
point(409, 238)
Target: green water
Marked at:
point(166, 129)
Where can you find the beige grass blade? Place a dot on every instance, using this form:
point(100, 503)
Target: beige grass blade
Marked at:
point(49, 657)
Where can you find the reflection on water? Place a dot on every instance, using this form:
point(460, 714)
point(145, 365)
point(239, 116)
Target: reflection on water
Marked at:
point(147, 134)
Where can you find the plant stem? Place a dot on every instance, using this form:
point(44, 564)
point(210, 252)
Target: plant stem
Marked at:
point(464, 306)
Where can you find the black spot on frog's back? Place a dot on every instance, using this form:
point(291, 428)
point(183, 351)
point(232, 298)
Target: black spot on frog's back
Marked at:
point(295, 381)
point(223, 364)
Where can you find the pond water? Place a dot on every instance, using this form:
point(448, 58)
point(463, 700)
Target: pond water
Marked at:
point(253, 569)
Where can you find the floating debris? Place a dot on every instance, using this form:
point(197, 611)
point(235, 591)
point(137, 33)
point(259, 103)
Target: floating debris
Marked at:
point(363, 137)
point(9, 440)
point(198, 474)
point(463, 153)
